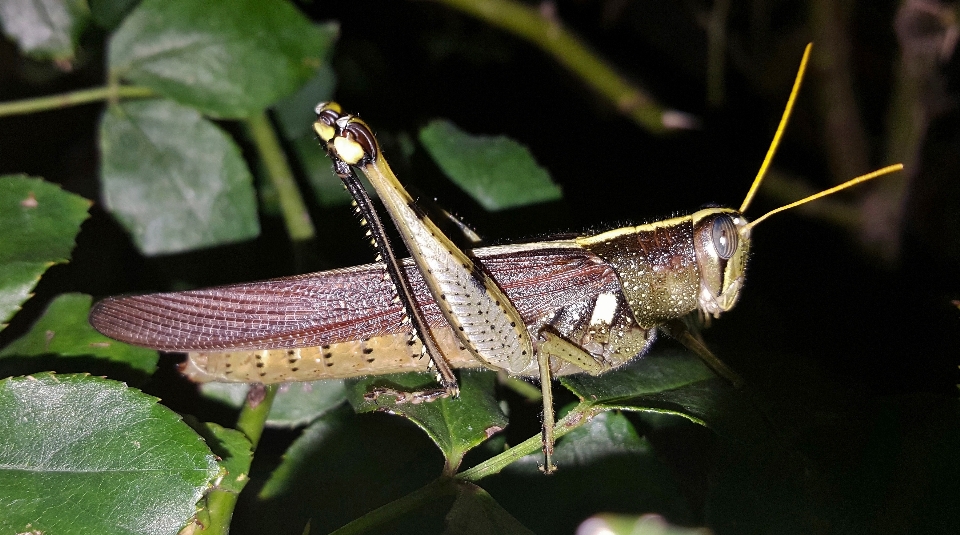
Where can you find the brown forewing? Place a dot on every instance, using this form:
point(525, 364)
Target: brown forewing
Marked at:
point(339, 305)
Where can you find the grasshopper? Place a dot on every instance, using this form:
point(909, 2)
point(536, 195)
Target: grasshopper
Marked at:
point(537, 310)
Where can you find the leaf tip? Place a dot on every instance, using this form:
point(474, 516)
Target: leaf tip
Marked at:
point(492, 430)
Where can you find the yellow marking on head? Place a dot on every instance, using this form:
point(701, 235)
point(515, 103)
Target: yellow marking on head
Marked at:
point(324, 130)
point(348, 150)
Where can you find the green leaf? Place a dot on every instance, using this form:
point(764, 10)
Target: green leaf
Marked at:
point(88, 455)
point(295, 114)
point(228, 59)
point(38, 223)
point(475, 512)
point(295, 404)
point(44, 29)
point(301, 403)
point(109, 13)
point(674, 381)
point(455, 425)
point(235, 454)
point(174, 180)
point(342, 466)
point(607, 435)
point(662, 370)
point(497, 172)
point(64, 330)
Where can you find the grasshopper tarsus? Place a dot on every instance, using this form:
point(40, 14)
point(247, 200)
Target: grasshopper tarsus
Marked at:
point(402, 397)
point(548, 468)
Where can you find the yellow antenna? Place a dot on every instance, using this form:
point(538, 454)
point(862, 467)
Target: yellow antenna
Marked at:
point(776, 142)
point(780, 128)
point(850, 183)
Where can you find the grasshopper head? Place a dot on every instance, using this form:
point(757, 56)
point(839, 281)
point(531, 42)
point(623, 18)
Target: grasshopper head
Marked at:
point(722, 235)
point(722, 242)
point(346, 137)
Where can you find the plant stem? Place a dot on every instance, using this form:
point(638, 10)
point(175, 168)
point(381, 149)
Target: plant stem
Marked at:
point(221, 503)
point(295, 215)
point(252, 418)
point(567, 49)
point(220, 506)
point(378, 517)
point(716, 29)
point(73, 98)
point(580, 415)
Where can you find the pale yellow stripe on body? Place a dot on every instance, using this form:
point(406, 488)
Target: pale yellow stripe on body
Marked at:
point(394, 353)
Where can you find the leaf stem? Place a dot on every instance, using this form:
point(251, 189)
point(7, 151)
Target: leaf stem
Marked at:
point(437, 488)
point(220, 506)
point(252, 418)
point(567, 49)
point(221, 503)
point(73, 98)
point(580, 415)
point(295, 215)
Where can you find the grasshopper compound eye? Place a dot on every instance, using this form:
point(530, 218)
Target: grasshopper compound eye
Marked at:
point(326, 124)
point(725, 237)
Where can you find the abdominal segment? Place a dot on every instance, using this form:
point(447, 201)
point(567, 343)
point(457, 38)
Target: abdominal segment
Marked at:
point(392, 353)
